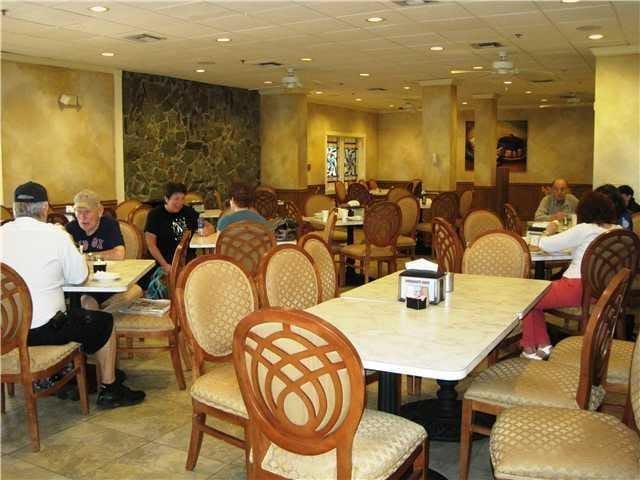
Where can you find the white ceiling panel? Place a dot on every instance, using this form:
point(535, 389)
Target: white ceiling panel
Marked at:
point(41, 14)
point(517, 20)
point(485, 9)
point(336, 9)
point(585, 14)
point(194, 12)
point(435, 12)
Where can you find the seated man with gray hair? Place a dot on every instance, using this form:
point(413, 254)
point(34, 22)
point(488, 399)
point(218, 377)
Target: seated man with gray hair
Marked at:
point(46, 258)
point(558, 204)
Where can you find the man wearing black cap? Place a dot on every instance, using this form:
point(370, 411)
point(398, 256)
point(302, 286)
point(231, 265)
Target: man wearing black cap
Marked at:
point(46, 258)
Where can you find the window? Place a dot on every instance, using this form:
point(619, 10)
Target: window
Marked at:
point(343, 160)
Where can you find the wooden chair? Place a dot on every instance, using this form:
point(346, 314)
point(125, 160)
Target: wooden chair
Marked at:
point(316, 203)
point(603, 258)
point(382, 223)
point(266, 203)
point(109, 212)
point(372, 184)
point(124, 209)
point(138, 216)
point(416, 187)
point(410, 208)
point(466, 202)
point(246, 242)
point(288, 278)
point(5, 214)
point(265, 188)
point(445, 205)
point(57, 218)
point(341, 192)
point(193, 197)
point(23, 364)
point(498, 253)
point(302, 382)
point(358, 191)
point(477, 223)
point(448, 247)
point(561, 444)
point(288, 209)
point(134, 245)
point(129, 326)
point(522, 382)
point(209, 317)
point(317, 248)
point(512, 221)
point(218, 198)
point(396, 193)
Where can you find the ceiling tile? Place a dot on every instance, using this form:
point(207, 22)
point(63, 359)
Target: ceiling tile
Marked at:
point(39, 14)
point(338, 8)
point(435, 11)
point(194, 12)
point(591, 14)
point(101, 27)
point(517, 20)
point(291, 14)
point(319, 26)
point(360, 19)
point(485, 9)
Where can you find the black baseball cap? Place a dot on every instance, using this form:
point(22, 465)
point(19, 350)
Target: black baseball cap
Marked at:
point(30, 192)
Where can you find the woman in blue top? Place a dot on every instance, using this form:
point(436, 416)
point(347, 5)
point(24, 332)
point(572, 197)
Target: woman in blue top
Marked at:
point(240, 210)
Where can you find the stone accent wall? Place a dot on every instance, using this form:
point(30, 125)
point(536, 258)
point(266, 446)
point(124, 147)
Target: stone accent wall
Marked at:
point(205, 136)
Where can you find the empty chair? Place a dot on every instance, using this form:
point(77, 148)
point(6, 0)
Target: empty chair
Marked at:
point(266, 203)
point(209, 317)
point(447, 246)
point(523, 382)
point(303, 385)
point(445, 205)
point(139, 216)
point(134, 245)
point(124, 209)
point(23, 364)
point(193, 197)
point(341, 192)
point(382, 223)
point(317, 248)
point(499, 254)
point(512, 221)
point(396, 193)
point(288, 278)
point(316, 203)
point(410, 208)
point(358, 191)
point(466, 202)
point(478, 222)
point(247, 243)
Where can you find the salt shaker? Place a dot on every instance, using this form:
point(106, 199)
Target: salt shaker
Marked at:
point(448, 282)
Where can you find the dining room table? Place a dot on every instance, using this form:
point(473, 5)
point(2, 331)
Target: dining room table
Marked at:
point(444, 342)
point(205, 244)
point(349, 223)
point(379, 192)
point(213, 213)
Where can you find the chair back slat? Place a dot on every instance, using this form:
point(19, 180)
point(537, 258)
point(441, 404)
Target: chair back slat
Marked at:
point(447, 246)
point(266, 203)
point(16, 311)
point(445, 205)
point(410, 208)
point(317, 248)
point(498, 253)
point(512, 221)
point(246, 242)
point(382, 223)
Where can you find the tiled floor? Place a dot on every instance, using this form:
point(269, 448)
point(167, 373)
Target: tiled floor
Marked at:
point(150, 440)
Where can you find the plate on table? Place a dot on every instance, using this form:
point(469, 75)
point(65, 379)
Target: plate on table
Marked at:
point(355, 218)
point(106, 276)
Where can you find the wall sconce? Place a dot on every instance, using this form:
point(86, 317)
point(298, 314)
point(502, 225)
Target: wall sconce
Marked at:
point(69, 101)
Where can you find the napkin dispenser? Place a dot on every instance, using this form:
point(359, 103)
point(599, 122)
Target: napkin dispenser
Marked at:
point(415, 280)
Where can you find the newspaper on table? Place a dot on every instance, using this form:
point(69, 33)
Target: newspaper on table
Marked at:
point(146, 306)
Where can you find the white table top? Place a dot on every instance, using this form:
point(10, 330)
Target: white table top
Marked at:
point(210, 241)
point(542, 256)
point(426, 205)
point(339, 223)
point(445, 341)
point(130, 272)
point(211, 213)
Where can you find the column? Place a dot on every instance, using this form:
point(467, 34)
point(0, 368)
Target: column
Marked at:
point(486, 117)
point(283, 138)
point(439, 127)
point(616, 148)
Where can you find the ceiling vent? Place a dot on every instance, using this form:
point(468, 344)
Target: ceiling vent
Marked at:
point(484, 45)
point(377, 89)
point(145, 38)
point(269, 64)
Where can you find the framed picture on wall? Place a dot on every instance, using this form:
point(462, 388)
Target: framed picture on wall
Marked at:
point(469, 145)
point(511, 148)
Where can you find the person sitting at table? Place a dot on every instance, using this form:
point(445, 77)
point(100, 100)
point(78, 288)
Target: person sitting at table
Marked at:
point(557, 204)
point(627, 195)
point(622, 214)
point(240, 204)
point(97, 233)
point(167, 222)
point(596, 215)
point(46, 258)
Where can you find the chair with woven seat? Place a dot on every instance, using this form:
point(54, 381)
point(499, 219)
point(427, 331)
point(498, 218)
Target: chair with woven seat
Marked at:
point(478, 222)
point(124, 209)
point(529, 443)
point(317, 248)
point(521, 382)
point(316, 203)
point(396, 193)
point(133, 240)
point(246, 242)
point(266, 203)
point(410, 208)
point(603, 258)
point(466, 202)
point(341, 192)
point(133, 326)
point(382, 223)
point(138, 216)
point(213, 294)
point(445, 205)
point(23, 364)
point(497, 253)
point(288, 278)
point(290, 210)
point(512, 221)
point(303, 384)
point(358, 191)
point(448, 247)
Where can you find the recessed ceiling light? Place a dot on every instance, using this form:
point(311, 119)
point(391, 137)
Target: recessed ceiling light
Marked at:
point(456, 72)
point(107, 54)
point(98, 9)
point(478, 67)
point(464, 103)
point(544, 100)
point(365, 74)
point(507, 82)
point(436, 48)
point(358, 99)
point(375, 19)
point(305, 59)
point(528, 92)
point(570, 1)
point(200, 70)
point(268, 82)
point(318, 92)
point(595, 36)
point(391, 106)
point(543, 106)
point(223, 39)
point(407, 87)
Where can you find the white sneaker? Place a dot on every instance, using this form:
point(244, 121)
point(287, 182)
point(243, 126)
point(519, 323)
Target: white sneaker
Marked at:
point(546, 350)
point(531, 356)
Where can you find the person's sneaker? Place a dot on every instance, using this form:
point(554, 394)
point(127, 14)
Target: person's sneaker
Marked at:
point(118, 395)
point(121, 376)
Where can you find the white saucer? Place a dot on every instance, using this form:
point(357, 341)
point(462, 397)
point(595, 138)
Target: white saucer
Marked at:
point(105, 276)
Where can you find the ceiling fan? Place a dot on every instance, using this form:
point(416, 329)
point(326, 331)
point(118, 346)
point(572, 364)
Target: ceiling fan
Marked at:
point(503, 68)
point(289, 81)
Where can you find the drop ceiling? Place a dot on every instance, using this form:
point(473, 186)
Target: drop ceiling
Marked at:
point(543, 39)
